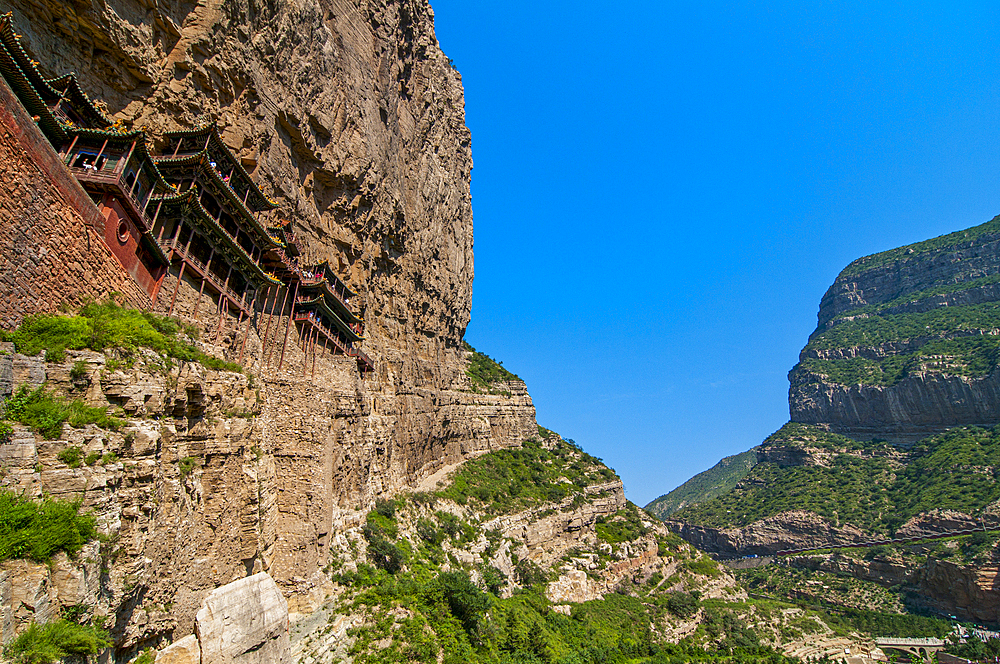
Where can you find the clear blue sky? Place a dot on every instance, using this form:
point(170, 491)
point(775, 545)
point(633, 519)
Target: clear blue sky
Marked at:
point(663, 191)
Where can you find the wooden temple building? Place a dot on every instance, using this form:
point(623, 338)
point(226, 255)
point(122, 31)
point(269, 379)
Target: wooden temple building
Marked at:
point(193, 211)
point(112, 164)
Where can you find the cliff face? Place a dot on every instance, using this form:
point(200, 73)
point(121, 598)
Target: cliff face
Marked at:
point(906, 342)
point(348, 114)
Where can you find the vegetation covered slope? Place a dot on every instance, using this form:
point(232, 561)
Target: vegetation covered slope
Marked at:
point(706, 485)
point(929, 307)
point(872, 486)
point(561, 571)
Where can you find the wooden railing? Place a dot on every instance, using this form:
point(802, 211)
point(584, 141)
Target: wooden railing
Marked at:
point(362, 357)
point(308, 317)
point(223, 288)
point(114, 179)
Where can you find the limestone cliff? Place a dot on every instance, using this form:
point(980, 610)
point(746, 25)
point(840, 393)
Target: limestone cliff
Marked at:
point(906, 342)
point(348, 114)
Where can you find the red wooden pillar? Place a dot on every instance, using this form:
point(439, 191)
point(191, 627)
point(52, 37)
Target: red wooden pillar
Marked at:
point(290, 313)
point(173, 298)
point(280, 312)
point(267, 329)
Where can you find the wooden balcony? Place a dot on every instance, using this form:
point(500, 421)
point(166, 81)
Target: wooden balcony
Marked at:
point(310, 318)
point(200, 269)
point(106, 180)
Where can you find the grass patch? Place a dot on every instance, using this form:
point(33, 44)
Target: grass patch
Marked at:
point(36, 530)
point(56, 640)
point(103, 325)
point(484, 371)
point(46, 413)
point(186, 465)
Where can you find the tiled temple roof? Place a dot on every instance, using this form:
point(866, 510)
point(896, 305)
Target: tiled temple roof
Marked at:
point(258, 201)
point(188, 202)
point(202, 159)
point(321, 303)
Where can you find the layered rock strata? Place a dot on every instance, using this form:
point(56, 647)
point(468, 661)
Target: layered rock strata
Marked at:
point(905, 342)
point(213, 479)
point(350, 116)
point(967, 591)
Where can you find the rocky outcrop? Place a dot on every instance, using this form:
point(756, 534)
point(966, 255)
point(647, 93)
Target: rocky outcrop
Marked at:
point(788, 530)
point(244, 622)
point(212, 479)
point(888, 276)
point(967, 591)
point(939, 521)
point(920, 405)
point(936, 389)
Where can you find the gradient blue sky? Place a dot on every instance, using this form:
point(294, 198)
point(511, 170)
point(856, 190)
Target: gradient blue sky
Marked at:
point(663, 192)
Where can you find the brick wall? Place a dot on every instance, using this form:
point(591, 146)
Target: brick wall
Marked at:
point(51, 246)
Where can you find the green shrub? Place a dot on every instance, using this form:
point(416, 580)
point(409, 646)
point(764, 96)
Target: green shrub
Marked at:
point(79, 370)
point(483, 371)
point(428, 531)
point(704, 566)
point(148, 656)
point(6, 432)
point(681, 604)
point(71, 456)
point(186, 465)
point(36, 530)
point(103, 325)
point(92, 458)
point(623, 526)
point(494, 580)
point(466, 602)
point(386, 508)
point(510, 480)
point(55, 641)
point(46, 413)
point(529, 573)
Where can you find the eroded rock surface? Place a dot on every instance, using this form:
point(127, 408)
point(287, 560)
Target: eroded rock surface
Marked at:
point(350, 116)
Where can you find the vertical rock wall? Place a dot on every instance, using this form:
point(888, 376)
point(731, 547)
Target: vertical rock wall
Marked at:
point(348, 114)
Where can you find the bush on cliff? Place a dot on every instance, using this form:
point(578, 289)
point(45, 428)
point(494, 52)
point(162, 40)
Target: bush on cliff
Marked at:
point(103, 325)
point(36, 530)
point(483, 370)
point(46, 413)
point(511, 480)
point(53, 642)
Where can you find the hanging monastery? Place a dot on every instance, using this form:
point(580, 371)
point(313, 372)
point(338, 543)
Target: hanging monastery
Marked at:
point(188, 231)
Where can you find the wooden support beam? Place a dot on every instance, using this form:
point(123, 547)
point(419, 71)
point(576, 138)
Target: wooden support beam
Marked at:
point(290, 314)
point(314, 356)
point(69, 152)
point(173, 298)
point(253, 307)
point(100, 153)
point(267, 329)
point(280, 313)
point(223, 310)
point(197, 304)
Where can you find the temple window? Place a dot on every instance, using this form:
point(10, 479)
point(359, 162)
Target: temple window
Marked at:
point(185, 236)
point(201, 249)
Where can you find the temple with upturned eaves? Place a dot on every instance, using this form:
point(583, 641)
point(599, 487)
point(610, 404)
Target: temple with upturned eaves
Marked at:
point(189, 225)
